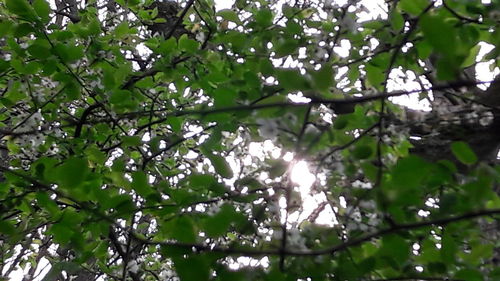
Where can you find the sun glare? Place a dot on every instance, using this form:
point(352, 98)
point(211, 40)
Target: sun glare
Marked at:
point(301, 175)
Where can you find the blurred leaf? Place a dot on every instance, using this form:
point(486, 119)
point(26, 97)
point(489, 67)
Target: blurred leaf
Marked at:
point(444, 38)
point(218, 224)
point(375, 76)
point(413, 7)
point(192, 268)
point(362, 152)
point(221, 166)
point(188, 45)
point(229, 15)
point(131, 141)
point(409, 172)
point(291, 79)
point(56, 270)
point(323, 78)
point(469, 275)
point(72, 172)
point(42, 8)
point(21, 8)
point(463, 152)
point(7, 227)
point(140, 184)
point(263, 17)
point(471, 58)
point(180, 228)
point(396, 248)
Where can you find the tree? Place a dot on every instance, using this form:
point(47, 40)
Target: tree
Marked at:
point(155, 140)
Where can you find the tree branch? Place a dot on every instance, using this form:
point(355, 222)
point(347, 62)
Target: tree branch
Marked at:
point(313, 100)
point(327, 251)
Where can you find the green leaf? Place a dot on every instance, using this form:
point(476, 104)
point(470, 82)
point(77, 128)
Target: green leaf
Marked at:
point(6, 27)
point(180, 228)
point(140, 184)
point(221, 166)
point(341, 122)
point(201, 181)
point(72, 172)
point(188, 45)
point(413, 7)
point(469, 275)
point(471, 58)
point(56, 270)
point(292, 79)
point(362, 152)
point(122, 29)
point(94, 27)
point(229, 15)
point(286, 47)
point(21, 8)
point(7, 227)
point(424, 49)
point(444, 38)
point(46, 203)
point(192, 269)
point(448, 248)
point(397, 20)
point(224, 97)
point(278, 168)
point(40, 49)
point(42, 9)
point(396, 248)
point(131, 141)
point(68, 53)
point(175, 123)
point(219, 224)
point(323, 78)
point(266, 67)
point(264, 17)
point(409, 172)
point(463, 152)
point(375, 76)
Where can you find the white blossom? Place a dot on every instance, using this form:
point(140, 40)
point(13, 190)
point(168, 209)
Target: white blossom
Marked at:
point(386, 139)
point(356, 215)
point(363, 227)
point(456, 120)
point(274, 208)
point(329, 4)
point(351, 226)
point(349, 23)
point(214, 209)
point(367, 204)
point(486, 118)
point(37, 140)
point(268, 129)
point(320, 53)
point(277, 234)
point(200, 37)
point(290, 118)
point(311, 130)
point(360, 184)
point(373, 219)
point(132, 266)
point(295, 240)
point(471, 118)
point(167, 274)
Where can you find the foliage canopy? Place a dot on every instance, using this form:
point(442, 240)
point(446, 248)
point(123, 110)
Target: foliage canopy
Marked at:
point(149, 140)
